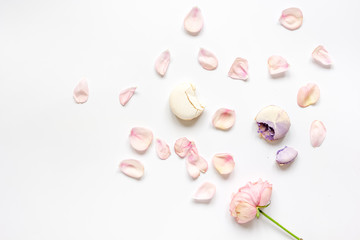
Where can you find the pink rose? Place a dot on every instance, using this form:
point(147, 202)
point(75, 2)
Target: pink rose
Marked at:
point(245, 203)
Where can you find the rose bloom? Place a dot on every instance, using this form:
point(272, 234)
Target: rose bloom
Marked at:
point(245, 203)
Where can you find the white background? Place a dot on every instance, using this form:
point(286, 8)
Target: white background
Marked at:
point(59, 176)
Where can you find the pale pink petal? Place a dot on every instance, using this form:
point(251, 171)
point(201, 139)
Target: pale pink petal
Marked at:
point(140, 138)
point(207, 59)
point(195, 165)
point(162, 149)
point(245, 212)
point(277, 65)
point(192, 170)
point(308, 95)
point(317, 133)
point(162, 63)
point(321, 56)
point(223, 163)
point(291, 18)
point(224, 119)
point(194, 21)
point(182, 147)
point(239, 69)
point(125, 95)
point(81, 92)
point(132, 168)
point(205, 192)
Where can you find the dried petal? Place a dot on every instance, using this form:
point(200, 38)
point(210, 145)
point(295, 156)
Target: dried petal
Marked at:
point(205, 192)
point(317, 133)
point(224, 119)
point(223, 163)
point(286, 155)
point(162, 149)
point(184, 102)
point(273, 123)
point(81, 92)
point(182, 147)
point(194, 21)
point(207, 59)
point(196, 164)
point(239, 69)
point(277, 65)
point(291, 18)
point(140, 138)
point(308, 95)
point(132, 168)
point(321, 56)
point(162, 63)
point(125, 95)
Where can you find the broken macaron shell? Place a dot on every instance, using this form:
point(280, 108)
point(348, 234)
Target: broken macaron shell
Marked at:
point(286, 155)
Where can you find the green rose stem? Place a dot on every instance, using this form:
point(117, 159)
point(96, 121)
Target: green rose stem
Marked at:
point(278, 224)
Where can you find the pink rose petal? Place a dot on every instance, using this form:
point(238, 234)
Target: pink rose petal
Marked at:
point(224, 119)
point(140, 138)
point(291, 18)
point(205, 192)
point(194, 21)
point(162, 63)
point(223, 163)
point(321, 56)
point(308, 95)
point(317, 133)
point(277, 65)
point(239, 69)
point(182, 147)
point(125, 95)
point(132, 168)
point(196, 165)
point(81, 92)
point(162, 149)
point(207, 59)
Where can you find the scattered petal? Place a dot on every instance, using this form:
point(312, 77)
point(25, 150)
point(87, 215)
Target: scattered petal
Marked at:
point(140, 138)
point(321, 56)
point(126, 94)
point(277, 65)
point(195, 165)
point(308, 95)
point(81, 92)
point(184, 102)
point(162, 149)
point(207, 59)
point(205, 192)
point(132, 168)
point(317, 133)
point(223, 163)
point(273, 123)
point(182, 147)
point(239, 69)
point(286, 155)
point(194, 21)
point(291, 18)
point(162, 63)
point(224, 119)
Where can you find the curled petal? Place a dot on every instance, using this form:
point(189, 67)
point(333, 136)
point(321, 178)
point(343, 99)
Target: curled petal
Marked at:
point(286, 155)
point(195, 165)
point(132, 168)
point(140, 138)
point(308, 95)
point(321, 56)
point(224, 119)
point(162, 63)
point(207, 59)
point(126, 94)
point(182, 147)
point(277, 65)
point(223, 163)
point(273, 123)
point(291, 18)
point(81, 91)
point(162, 149)
point(239, 69)
point(317, 133)
point(205, 192)
point(194, 21)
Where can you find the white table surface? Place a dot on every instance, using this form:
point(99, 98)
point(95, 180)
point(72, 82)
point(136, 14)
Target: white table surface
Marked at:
point(59, 176)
